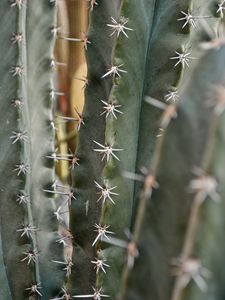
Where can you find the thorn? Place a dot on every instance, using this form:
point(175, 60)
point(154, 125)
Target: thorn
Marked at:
point(155, 103)
point(206, 186)
point(22, 168)
point(55, 31)
point(65, 296)
point(107, 151)
point(169, 113)
point(23, 199)
point(85, 40)
point(52, 124)
point(18, 3)
point(105, 193)
point(55, 64)
point(17, 38)
point(80, 119)
point(19, 136)
point(190, 269)
point(84, 79)
point(66, 238)
point(182, 58)
point(92, 4)
point(114, 71)
point(70, 39)
point(58, 213)
point(99, 265)
point(190, 19)
point(69, 193)
point(96, 296)
point(34, 289)
point(110, 108)
point(68, 265)
point(74, 161)
point(160, 132)
point(17, 103)
point(172, 96)
point(132, 253)
point(150, 182)
point(86, 207)
point(30, 256)
point(102, 232)
point(221, 8)
point(27, 230)
point(17, 71)
point(53, 94)
point(119, 27)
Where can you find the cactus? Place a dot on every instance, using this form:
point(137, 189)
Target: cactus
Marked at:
point(142, 179)
point(29, 229)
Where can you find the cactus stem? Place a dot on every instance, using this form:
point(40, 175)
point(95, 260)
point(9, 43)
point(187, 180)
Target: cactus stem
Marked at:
point(202, 191)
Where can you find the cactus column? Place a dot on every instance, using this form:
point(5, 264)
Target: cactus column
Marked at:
point(28, 225)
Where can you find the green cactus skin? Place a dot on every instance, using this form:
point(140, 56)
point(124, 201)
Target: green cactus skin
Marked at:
point(83, 217)
point(31, 115)
point(159, 231)
point(166, 218)
point(160, 76)
point(151, 73)
point(146, 76)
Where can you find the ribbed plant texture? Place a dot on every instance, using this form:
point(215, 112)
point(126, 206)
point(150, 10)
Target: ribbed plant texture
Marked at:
point(142, 215)
point(29, 228)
